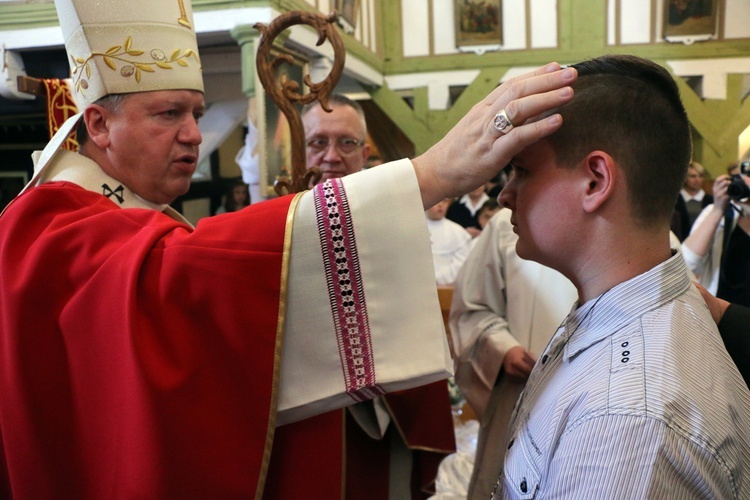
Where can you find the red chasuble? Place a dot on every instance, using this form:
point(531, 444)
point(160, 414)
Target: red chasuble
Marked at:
point(423, 419)
point(137, 355)
point(140, 357)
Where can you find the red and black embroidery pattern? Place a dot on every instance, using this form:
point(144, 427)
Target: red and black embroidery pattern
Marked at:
point(345, 291)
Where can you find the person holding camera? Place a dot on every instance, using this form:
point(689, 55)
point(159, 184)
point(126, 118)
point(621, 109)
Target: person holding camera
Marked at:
point(691, 201)
point(718, 247)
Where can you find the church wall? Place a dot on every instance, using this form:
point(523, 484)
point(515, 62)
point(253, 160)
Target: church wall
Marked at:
point(365, 25)
point(423, 63)
point(533, 24)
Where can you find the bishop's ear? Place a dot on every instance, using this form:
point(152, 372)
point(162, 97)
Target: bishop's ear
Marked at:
point(95, 118)
point(600, 175)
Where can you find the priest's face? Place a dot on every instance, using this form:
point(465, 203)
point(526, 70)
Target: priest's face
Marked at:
point(335, 141)
point(151, 142)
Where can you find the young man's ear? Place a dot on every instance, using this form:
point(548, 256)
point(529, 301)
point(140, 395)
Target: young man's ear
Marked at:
point(95, 118)
point(600, 174)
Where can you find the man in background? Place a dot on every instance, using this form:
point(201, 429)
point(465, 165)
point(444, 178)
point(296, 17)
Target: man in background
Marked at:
point(395, 442)
point(336, 142)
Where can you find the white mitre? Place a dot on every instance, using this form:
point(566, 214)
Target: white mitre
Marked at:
point(117, 47)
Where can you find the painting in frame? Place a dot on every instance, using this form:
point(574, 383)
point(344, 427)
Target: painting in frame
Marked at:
point(348, 12)
point(690, 20)
point(275, 153)
point(478, 22)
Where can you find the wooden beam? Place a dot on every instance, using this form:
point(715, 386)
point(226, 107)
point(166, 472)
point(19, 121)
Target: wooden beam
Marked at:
point(30, 85)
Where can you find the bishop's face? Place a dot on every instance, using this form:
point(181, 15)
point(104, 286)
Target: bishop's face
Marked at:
point(152, 142)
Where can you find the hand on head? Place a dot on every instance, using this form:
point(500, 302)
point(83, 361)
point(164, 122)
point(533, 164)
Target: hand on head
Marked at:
point(475, 150)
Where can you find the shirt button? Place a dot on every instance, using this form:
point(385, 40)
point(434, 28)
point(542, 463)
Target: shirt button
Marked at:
point(544, 358)
point(523, 486)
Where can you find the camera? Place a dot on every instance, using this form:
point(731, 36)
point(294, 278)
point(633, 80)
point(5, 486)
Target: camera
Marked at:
point(737, 189)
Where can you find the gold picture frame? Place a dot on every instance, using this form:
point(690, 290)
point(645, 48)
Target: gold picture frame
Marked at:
point(274, 137)
point(690, 20)
point(348, 13)
point(478, 22)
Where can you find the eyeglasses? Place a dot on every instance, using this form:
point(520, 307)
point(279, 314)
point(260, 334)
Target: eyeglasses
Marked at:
point(344, 145)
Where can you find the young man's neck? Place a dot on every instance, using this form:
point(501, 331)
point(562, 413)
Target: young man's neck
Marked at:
point(620, 260)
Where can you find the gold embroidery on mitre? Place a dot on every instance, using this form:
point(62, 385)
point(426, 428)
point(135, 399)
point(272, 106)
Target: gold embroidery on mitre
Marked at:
point(183, 20)
point(130, 67)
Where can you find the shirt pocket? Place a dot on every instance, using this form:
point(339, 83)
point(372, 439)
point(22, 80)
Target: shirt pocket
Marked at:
point(522, 475)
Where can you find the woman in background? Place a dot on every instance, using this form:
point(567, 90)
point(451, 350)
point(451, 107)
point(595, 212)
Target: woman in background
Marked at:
point(237, 197)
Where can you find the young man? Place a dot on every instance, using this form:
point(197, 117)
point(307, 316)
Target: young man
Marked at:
point(394, 443)
point(635, 393)
point(504, 311)
point(143, 357)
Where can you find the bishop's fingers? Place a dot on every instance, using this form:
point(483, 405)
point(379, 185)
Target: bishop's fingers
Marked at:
point(524, 98)
point(539, 81)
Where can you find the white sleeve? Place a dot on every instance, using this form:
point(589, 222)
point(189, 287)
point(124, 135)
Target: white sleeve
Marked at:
point(706, 267)
point(463, 247)
point(363, 316)
point(696, 262)
point(457, 243)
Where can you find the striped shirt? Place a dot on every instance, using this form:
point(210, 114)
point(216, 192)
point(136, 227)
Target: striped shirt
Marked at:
point(634, 397)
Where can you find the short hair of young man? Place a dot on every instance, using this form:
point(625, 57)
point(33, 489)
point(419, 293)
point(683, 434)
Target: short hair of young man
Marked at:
point(630, 108)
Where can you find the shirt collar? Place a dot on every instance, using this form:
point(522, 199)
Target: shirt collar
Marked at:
point(82, 171)
point(474, 208)
point(697, 196)
point(599, 318)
